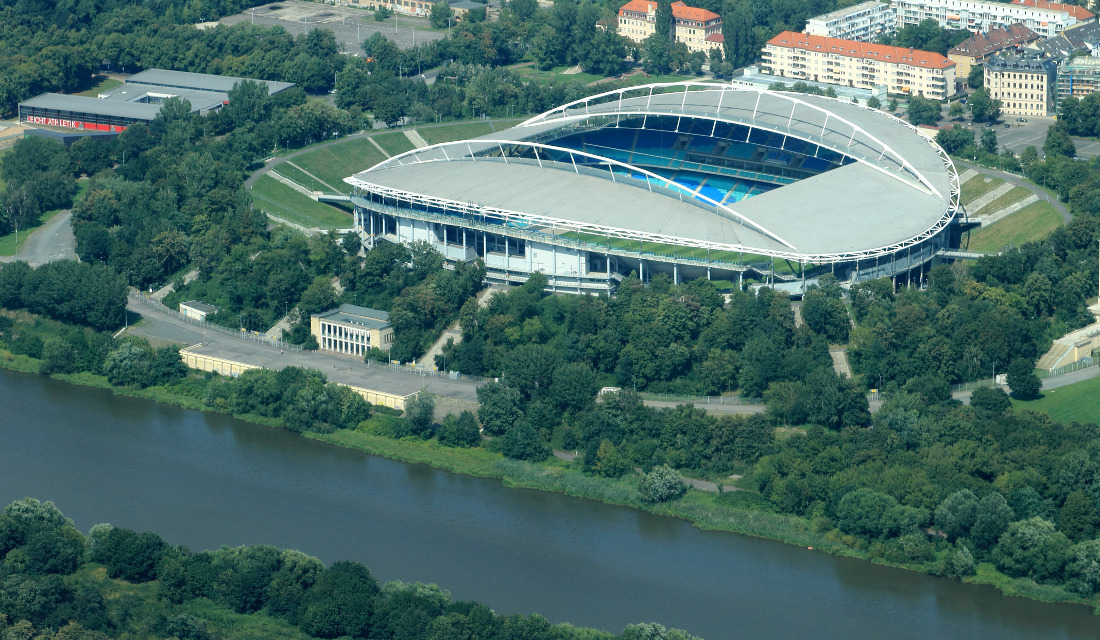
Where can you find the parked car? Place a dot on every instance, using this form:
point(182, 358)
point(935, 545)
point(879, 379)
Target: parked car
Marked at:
point(1007, 126)
point(1021, 119)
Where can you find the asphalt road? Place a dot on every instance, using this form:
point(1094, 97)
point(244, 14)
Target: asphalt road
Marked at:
point(52, 241)
point(348, 370)
point(350, 25)
point(1021, 135)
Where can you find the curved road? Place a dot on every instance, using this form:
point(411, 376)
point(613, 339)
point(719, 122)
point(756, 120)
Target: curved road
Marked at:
point(52, 241)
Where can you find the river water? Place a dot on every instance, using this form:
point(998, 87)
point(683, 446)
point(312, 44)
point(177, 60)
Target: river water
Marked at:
point(207, 480)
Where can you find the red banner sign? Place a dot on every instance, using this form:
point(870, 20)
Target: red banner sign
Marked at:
point(72, 124)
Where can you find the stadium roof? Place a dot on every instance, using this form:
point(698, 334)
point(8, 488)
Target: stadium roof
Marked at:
point(901, 189)
point(855, 49)
point(197, 81)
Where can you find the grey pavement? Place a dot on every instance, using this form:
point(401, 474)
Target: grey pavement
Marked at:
point(350, 25)
point(1021, 135)
point(52, 241)
point(342, 369)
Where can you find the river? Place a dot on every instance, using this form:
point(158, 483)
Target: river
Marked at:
point(208, 480)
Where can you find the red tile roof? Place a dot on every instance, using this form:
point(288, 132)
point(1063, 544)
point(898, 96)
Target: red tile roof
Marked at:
point(716, 37)
point(679, 10)
point(854, 49)
point(996, 39)
point(1077, 12)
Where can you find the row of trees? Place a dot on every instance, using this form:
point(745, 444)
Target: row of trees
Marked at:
point(42, 594)
point(66, 290)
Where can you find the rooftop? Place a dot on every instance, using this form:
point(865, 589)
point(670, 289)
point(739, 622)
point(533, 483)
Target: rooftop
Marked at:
point(855, 49)
point(1070, 41)
point(1080, 13)
point(679, 10)
point(200, 306)
point(1017, 63)
point(996, 39)
point(198, 81)
point(847, 11)
point(353, 314)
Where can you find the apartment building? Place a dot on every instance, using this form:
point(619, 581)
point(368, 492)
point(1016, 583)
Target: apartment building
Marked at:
point(1048, 19)
point(699, 29)
point(980, 46)
point(864, 22)
point(848, 63)
point(1077, 77)
point(1025, 86)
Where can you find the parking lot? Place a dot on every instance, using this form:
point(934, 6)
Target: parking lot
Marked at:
point(1018, 136)
point(350, 25)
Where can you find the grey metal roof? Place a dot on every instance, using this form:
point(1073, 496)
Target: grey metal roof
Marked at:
point(198, 81)
point(83, 104)
point(200, 306)
point(356, 315)
point(1069, 41)
point(899, 189)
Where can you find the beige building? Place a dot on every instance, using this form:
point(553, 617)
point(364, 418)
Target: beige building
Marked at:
point(847, 63)
point(197, 310)
point(352, 330)
point(865, 22)
point(1048, 19)
point(1025, 86)
point(699, 29)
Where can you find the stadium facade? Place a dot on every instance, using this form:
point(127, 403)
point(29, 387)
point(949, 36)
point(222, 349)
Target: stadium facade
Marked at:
point(688, 179)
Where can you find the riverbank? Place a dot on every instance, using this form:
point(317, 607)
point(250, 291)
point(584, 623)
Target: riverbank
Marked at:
point(736, 512)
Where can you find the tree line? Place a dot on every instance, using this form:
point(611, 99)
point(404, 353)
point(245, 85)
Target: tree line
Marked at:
point(50, 588)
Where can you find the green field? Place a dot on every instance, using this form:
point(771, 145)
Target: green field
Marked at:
point(394, 142)
point(280, 200)
point(1033, 222)
point(103, 85)
point(337, 161)
point(288, 170)
point(1016, 194)
point(463, 130)
point(977, 187)
point(1075, 402)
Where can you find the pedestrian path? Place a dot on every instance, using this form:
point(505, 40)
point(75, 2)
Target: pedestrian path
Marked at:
point(416, 139)
point(986, 198)
point(379, 147)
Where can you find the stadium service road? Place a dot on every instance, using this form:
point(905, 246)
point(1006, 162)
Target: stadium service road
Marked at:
point(351, 26)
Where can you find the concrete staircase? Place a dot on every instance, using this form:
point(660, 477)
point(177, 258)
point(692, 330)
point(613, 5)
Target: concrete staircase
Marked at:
point(985, 199)
point(1009, 210)
point(415, 138)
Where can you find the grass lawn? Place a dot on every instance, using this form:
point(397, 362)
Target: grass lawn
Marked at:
point(104, 84)
point(337, 161)
point(288, 170)
point(394, 142)
point(977, 186)
point(1033, 222)
point(1000, 202)
point(280, 200)
point(463, 130)
point(1076, 402)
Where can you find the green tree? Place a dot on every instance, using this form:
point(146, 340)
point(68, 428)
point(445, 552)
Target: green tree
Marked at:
point(1032, 548)
point(1083, 570)
point(654, 631)
point(661, 484)
point(991, 518)
point(983, 107)
point(990, 401)
point(1078, 518)
point(499, 407)
point(864, 512)
point(989, 141)
point(574, 386)
point(522, 442)
point(976, 77)
point(923, 111)
point(1058, 143)
point(663, 19)
point(420, 412)
point(461, 431)
point(955, 139)
point(341, 603)
point(128, 365)
point(1022, 379)
point(440, 15)
point(874, 103)
point(956, 515)
point(959, 562)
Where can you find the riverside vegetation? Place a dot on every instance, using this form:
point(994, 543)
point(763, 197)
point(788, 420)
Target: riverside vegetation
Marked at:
point(57, 583)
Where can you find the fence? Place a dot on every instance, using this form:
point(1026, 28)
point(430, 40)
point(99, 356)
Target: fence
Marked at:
point(209, 326)
point(697, 400)
point(1083, 363)
point(429, 372)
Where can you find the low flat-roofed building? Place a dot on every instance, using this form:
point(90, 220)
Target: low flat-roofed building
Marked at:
point(864, 22)
point(139, 99)
point(1025, 86)
point(352, 330)
point(197, 310)
point(977, 48)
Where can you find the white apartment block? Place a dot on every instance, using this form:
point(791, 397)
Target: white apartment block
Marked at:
point(848, 63)
point(1048, 19)
point(864, 22)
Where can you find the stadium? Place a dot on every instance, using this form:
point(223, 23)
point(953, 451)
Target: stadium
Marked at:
point(687, 179)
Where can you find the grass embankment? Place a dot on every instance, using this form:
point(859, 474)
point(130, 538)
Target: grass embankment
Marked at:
point(394, 142)
point(1071, 403)
point(293, 172)
point(1033, 222)
point(280, 200)
point(332, 163)
point(461, 131)
point(1014, 195)
point(977, 187)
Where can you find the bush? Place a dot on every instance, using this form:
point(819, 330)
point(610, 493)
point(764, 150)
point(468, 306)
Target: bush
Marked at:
point(662, 484)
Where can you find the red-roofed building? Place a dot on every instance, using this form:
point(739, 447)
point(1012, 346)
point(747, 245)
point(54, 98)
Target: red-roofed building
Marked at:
point(1080, 13)
point(978, 47)
point(848, 63)
point(691, 25)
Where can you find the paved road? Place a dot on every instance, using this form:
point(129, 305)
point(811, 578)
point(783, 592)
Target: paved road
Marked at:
point(343, 369)
point(1021, 135)
point(351, 26)
point(52, 241)
point(1021, 181)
